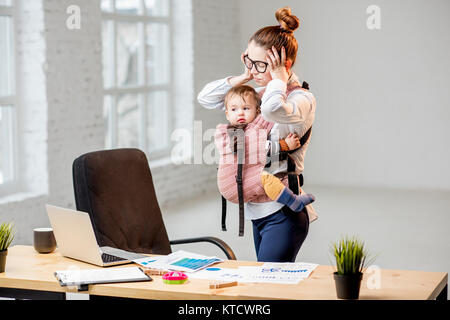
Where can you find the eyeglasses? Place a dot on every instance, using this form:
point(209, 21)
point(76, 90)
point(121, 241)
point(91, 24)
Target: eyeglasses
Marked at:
point(260, 66)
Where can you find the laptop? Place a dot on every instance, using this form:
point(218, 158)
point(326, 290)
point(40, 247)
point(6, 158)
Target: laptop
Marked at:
point(76, 239)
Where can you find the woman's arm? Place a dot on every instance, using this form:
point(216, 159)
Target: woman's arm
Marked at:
point(243, 78)
point(296, 109)
point(213, 94)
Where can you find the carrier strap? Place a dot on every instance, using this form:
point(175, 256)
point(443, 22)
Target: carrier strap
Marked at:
point(238, 145)
point(224, 213)
point(295, 180)
point(240, 155)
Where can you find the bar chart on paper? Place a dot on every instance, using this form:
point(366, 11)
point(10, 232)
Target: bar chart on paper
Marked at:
point(194, 264)
point(178, 261)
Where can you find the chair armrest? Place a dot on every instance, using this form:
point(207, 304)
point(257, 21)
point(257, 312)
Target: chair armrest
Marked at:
point(220, 243)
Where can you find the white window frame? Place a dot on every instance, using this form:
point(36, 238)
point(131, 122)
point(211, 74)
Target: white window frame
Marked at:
point(143, 90)
point(12, 186)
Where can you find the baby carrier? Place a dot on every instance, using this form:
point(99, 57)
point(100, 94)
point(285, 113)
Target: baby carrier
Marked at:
point(294, 180)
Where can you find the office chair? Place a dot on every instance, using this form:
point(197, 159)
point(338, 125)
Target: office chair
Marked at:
point(115, 187)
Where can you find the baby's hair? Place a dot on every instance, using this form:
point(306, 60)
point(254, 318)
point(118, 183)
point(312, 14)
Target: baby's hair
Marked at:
point(243, 91)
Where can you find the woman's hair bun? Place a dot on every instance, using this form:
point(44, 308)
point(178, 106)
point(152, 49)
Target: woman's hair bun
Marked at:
point(287, 21)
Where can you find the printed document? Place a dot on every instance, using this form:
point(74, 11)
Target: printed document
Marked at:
point(178, 261)
point(280, 273)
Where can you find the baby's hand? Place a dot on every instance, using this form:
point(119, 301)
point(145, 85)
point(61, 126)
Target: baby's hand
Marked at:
point(292, 141)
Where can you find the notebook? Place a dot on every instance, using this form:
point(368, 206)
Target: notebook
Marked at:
point(82, 278)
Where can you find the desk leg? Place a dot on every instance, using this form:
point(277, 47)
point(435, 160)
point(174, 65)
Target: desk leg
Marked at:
point(443, 295)
point(21, 294)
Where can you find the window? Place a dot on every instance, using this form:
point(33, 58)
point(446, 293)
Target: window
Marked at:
point(136, 74)
point(8, 170)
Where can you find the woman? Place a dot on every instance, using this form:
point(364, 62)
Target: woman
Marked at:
point(278, 232)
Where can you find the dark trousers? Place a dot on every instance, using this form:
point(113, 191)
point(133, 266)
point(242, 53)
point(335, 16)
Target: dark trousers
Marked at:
point(279, 236)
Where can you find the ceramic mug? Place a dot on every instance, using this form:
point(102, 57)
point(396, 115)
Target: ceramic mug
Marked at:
point(44, 240)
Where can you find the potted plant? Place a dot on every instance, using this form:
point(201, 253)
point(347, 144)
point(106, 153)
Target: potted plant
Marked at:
point(351, 259)
point(6, 237)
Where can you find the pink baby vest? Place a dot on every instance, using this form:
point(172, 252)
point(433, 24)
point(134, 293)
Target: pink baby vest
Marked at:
point(255, 134)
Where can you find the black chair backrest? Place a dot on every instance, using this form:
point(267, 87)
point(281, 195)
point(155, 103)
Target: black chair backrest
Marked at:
point(116, 188)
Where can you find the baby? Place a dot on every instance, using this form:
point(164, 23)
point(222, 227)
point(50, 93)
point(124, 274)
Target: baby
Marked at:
point(242, 110)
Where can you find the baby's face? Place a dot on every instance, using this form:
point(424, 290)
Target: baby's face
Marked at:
point(240, 110)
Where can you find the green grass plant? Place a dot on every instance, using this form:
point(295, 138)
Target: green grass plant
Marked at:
point(350, 255)
point(6, 235)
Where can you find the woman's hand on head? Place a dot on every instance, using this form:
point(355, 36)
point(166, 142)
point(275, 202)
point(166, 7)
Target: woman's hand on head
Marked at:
point(246, 75)
point(277, 64)
point(243, 78)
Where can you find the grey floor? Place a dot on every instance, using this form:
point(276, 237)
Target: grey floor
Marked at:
point(407, 229)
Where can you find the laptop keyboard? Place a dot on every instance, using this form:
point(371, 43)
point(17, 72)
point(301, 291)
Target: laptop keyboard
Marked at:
point(107, 258)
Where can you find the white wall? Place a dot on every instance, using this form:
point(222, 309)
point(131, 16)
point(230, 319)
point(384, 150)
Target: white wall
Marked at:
point(210, 44)
point(374, 104)
point(382, 95)
point(60, 92)
point(59, 107)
